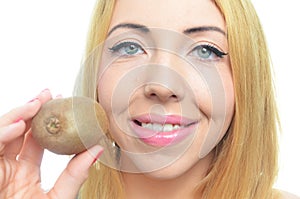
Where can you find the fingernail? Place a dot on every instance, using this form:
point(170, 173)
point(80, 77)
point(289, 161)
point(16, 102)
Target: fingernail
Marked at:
point(97, 156)
point(46, 89)
point(59, 96)
point(18, 120)
point(32, 100)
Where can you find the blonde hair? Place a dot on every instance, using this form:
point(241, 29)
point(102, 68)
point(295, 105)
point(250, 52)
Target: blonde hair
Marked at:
point(103, 182)
point(245, 164)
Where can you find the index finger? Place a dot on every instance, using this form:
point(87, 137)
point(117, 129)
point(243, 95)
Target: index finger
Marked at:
point(26, 111)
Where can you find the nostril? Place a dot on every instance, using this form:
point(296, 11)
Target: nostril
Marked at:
point(154, 95)
point(159, 92)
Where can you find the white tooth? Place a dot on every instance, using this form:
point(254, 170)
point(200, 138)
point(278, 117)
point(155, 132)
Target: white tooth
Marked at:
point(144, 125)
point(168, 127)
point(157, 127)
point(149, 126)
point(176, 126)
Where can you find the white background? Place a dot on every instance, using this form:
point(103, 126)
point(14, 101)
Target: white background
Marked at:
point(42, 44)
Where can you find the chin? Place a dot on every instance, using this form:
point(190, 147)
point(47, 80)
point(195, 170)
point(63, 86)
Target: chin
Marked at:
point(153, 169)
point(168, 173)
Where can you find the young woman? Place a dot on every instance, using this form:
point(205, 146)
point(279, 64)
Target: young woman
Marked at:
point(188, 91)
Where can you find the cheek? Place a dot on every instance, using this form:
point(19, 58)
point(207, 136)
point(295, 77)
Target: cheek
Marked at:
point(114, 91)
point(105, 89)
point(104, 94)
point(215, 97)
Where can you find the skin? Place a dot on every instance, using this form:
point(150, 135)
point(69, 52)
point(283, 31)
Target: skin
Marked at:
point(178, 16)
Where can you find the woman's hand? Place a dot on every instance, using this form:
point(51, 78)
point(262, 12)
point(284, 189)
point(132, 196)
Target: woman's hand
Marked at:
point(21, 156)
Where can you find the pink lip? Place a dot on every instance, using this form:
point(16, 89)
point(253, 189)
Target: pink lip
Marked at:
point(160, 138)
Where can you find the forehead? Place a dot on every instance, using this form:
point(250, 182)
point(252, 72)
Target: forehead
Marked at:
point(170, 14)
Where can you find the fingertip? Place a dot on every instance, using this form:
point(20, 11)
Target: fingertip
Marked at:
point(32, 100)
point(45, 90)
point(45, 95)
point(96, 153)
point(58, 96)
point(90, 156)
point(81, 162)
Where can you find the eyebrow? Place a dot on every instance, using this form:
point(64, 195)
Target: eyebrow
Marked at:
point(204, 29)
point(139, 27)
point(145, 29)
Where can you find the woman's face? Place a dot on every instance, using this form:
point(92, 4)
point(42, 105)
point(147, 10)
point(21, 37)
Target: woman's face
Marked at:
point(165, 82)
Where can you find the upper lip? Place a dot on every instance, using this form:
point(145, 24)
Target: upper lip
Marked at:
point(164, 119)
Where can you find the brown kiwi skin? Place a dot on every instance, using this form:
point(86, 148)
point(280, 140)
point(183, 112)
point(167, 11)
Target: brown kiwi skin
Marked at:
point(69, 125)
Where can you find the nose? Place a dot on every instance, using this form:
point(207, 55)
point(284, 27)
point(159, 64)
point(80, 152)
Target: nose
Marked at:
point(165, 78)
point(164, 84)
point(158, 92)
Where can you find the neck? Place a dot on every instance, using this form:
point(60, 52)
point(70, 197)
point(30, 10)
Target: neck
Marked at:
point(183, 186)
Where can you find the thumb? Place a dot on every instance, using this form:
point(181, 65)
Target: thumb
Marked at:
point(76, 172)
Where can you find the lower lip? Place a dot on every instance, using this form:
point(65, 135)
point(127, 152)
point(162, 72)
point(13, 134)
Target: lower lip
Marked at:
point(162, 139)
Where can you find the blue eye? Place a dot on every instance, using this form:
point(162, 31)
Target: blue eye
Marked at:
point(207, 52)
point(127, 49)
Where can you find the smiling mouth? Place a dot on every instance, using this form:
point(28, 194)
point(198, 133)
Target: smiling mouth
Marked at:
point(162, 130)
point(161, 127)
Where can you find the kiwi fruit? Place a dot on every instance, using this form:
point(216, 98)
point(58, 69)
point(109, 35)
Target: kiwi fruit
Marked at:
point(69, 125)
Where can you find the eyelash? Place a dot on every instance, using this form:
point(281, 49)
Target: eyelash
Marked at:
point(118, 47)
point(211, 49)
